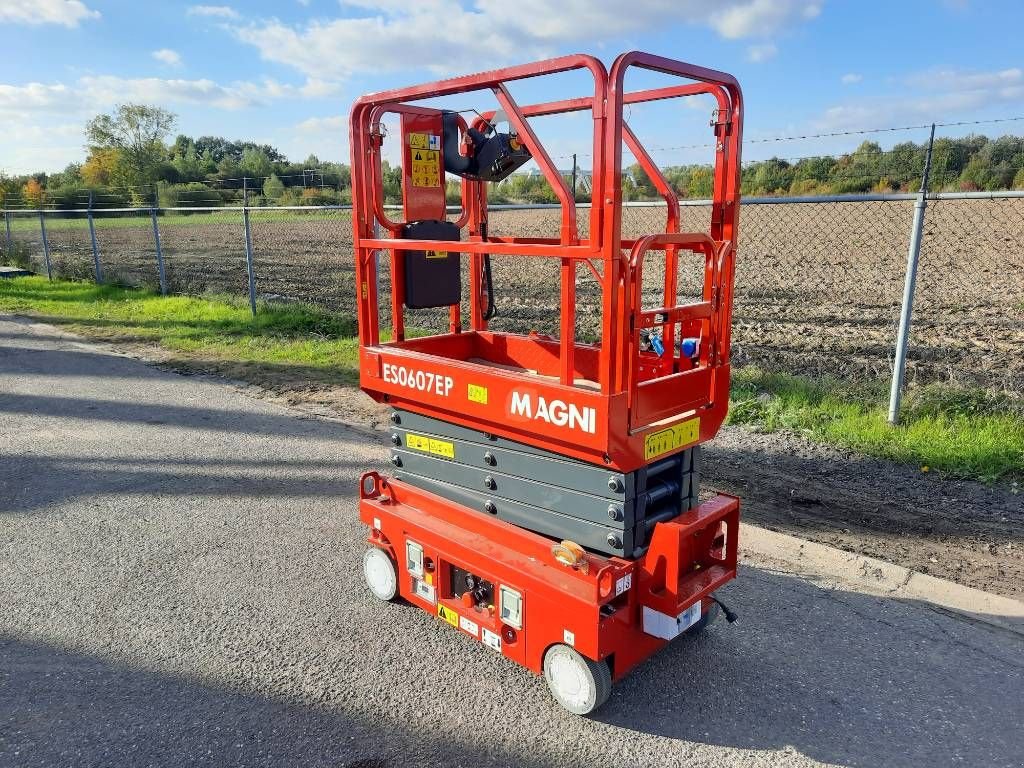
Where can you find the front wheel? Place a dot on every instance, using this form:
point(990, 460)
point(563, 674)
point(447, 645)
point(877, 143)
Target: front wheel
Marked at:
point(380, 574)
point(577, 683)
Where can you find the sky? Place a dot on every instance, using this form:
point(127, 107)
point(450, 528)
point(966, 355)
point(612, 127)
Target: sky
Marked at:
point(285, 72)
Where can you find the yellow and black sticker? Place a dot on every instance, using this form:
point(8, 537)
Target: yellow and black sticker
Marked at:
point(477, 394)
point(426, 167)
point(665, 440)
point(419, 140)
point(448, 615)
point(437, 254)
point(432, 445)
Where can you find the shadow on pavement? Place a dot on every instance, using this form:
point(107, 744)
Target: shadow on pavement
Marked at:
point(841, 677)
point(63, 708)
point(163, 415)
point(36, 482)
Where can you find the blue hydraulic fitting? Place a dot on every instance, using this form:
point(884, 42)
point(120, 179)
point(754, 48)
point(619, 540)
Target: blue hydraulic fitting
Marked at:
point(689, 347)
point(657, 345)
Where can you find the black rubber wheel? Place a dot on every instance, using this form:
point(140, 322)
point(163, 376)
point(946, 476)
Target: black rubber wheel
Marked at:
point(579, 684)
point(704, 621)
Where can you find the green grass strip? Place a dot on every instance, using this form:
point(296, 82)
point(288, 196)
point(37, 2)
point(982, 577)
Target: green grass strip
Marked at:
point(212, 329)
point(965, 432)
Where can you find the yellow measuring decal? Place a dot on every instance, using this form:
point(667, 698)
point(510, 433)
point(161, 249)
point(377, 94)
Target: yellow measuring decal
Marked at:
point(477, 394)
point(448, 615)
point(432, 445)
point(665, 440)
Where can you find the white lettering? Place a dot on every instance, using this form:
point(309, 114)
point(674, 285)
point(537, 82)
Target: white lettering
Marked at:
point(556, 412)
point(422, 381)
point(521, 405)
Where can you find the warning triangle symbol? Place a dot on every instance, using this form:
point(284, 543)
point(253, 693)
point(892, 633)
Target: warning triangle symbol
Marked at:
point(419, 156)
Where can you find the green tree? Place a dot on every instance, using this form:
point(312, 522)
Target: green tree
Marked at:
point(1018, 180)
point(702, 183)
point(255, 163)
point(136, 132)
point(273, 188)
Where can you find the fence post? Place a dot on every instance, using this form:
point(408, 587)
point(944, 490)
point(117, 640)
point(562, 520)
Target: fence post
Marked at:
point(9, 242)
point(574, 177)
point(909, 284)
point(159, 251)
point(249, 267)
point(46, 246)
point(95, 246)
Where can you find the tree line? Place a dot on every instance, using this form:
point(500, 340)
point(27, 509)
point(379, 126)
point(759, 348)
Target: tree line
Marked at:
point(131, 162)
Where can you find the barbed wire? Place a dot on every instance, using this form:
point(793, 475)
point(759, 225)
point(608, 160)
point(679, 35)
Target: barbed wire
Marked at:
point(828, 135)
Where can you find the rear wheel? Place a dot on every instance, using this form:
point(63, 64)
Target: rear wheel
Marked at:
point(577, 683)
point(380, 574)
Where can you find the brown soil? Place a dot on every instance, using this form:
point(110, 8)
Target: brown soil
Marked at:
point(818, 285)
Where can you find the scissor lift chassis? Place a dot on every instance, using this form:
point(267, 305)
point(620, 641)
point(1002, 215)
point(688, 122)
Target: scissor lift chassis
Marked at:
point(602, 612)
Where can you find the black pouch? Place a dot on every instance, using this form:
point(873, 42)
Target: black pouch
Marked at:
point(432, 278)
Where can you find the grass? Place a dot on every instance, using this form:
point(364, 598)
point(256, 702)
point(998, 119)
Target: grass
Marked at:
point(967, 433)
point(209, 329)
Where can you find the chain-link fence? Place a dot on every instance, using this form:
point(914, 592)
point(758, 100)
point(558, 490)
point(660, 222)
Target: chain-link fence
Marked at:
point(819, 281)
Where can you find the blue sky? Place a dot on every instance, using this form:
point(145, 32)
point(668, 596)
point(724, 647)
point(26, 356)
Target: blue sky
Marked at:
point(285, 72)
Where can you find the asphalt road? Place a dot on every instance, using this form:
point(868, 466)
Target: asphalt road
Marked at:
point(180, 585)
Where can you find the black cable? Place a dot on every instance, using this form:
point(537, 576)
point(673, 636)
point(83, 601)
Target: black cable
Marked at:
point(491, 310)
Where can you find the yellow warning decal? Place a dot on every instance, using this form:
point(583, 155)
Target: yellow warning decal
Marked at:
point(437, 254)
point(477, 394)
point(426, 167)
point(448, 615)
point(419, 140)
point(431, 445)
point(665, 440)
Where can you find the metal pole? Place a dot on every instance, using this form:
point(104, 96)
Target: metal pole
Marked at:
point(7, 226)
point(159, 250)
point(574, 176)
point(95, 246)
point(909, 284)
point(46, 246)
point(249, 267)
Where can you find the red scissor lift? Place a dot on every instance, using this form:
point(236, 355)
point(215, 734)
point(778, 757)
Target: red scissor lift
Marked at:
point(472, 400)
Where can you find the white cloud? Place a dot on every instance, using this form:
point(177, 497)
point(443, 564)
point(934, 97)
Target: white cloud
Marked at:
point(759, 17)
point(850, 78)
point(443, 37)
point(319, 89)
point(67, 13)
point(90, 93)
point(168, 57)
point(216, 11)
point(324, 124)
point(761, 52)
point(934, 95)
